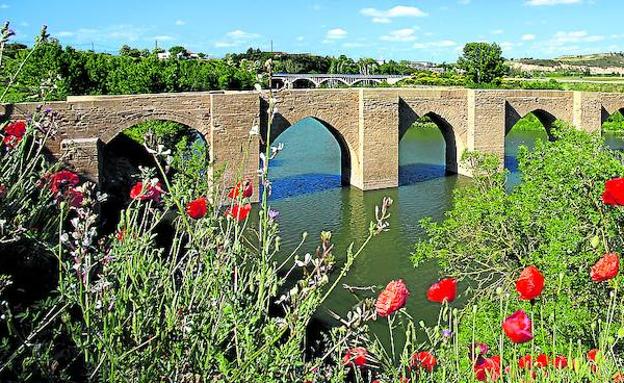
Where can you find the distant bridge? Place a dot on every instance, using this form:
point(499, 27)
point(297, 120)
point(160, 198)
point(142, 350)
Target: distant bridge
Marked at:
point(287, 80)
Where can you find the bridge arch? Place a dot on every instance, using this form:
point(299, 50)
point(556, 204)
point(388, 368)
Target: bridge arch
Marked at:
point(546, 117)
point(450, 129)
point(294, 81)
point(375, 80)
point(127, 119)
point(331, 79)
point(281, 124)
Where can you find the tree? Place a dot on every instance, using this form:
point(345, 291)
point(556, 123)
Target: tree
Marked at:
point(483, 62)
point(177, 49)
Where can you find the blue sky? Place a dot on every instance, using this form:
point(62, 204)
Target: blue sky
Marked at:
point(433, 30)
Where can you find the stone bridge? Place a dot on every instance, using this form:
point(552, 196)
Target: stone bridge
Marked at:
point(367, 123)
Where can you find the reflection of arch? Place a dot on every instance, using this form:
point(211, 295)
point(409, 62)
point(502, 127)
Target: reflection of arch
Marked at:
point(302, 79)
point(512, 116)
point(131, 118)
point(280, 124)
point(605, 115)
point(452, 141)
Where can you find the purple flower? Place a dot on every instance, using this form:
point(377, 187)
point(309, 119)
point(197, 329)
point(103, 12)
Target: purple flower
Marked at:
point(447, 333)
point(273, 214)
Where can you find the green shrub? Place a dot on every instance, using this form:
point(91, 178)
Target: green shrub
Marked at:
point(554, 220)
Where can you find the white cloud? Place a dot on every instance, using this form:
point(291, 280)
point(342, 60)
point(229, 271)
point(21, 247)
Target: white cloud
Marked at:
point(401, 35)
point(65, 34)
point(528, 37)
point(235, 38)
point(436, 44)
point(180, 22)
point(386, 16)
point(538, 3)
point(464, 2)
point(242, 35)
point(561, 38)
point(300, 38)
point(124, 33)
point(336, 33)
point(498, 32)
point(4, 6)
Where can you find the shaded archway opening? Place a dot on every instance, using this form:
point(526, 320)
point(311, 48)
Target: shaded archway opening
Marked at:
point(427, 147)
point(315, 157)
point(126, 154)
point(525, 132)
point(613, 129)
point(303, 83)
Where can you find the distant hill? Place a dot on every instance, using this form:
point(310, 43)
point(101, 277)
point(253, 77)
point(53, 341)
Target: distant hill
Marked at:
point(595, 64)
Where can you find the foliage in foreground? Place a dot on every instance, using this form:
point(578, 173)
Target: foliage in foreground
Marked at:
point(555, 220)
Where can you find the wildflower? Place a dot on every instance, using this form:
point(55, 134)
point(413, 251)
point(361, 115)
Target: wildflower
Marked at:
point(244, 187)
point(392, 298)
point(541, 361)
point(273, 214)
point(477, 350)
point(530, 284)
point(152, 191)
point(424, 360)
point(525, 361)
point(614, 192)
point(254, 131)
point(560, 362)
point(443, 290)
point(120, 234)
point(239, 212)
point(488, 369)
point(74, 196)
point(13, 133)
point(593, 354)
point(518, 327)
point(62, 180)
point(618, 378)
point(446, 333)
point(356, 356)
point(197, 208)
point(606, 268)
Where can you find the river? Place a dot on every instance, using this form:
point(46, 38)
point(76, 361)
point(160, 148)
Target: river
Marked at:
point(308, 194)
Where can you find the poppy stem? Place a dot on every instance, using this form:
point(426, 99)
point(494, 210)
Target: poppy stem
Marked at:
point(391, 337)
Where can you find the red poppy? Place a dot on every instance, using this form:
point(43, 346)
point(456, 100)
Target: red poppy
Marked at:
point(152, 191)
point(424, 360)
point(560, 362)
point(614, 192)
point(592, 354)
point(13, 133)
point(518, 327)
point(525, 361)
point(392, 298)
point(244, 187)
point(120, 234)
point(355, 355)
point(488, 369)
point(530, 283)
point(74, 197)
point(541, 361)
point(61, 180)
point(239, 212)
point(197, 208)
point(606, 268)
point(443, 290)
